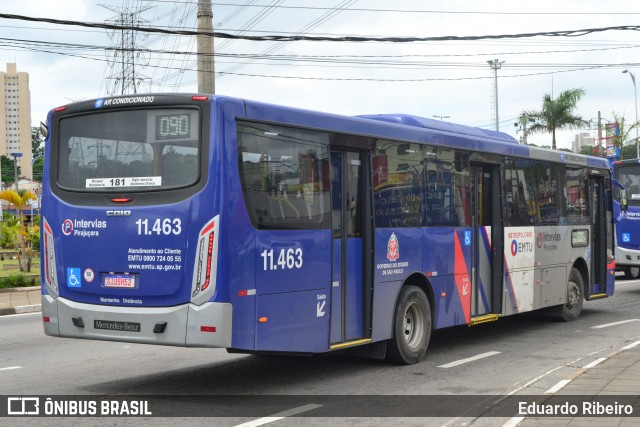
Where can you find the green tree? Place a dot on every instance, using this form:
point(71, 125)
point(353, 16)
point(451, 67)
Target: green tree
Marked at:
point(9, 232)
point(20, 200)
point(38, 165)
point(587, 150)
point(37, 142)
point(37, 148)
point(557, 114)
point(6, 166)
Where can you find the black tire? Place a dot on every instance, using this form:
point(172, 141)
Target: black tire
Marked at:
point(575, 297)
point(411, 327)
point(632, 273)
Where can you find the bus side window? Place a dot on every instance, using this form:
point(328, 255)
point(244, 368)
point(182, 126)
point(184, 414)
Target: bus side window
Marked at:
point(577, 207)
point(284, 175)
point(521, 193)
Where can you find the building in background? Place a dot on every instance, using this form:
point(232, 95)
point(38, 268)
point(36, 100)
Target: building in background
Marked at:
point(15, 117)
point(581, 140)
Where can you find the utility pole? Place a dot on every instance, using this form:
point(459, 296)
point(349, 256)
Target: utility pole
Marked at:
point(599, 134)
point(206, 82)
point(524, 120)
point(495, 65)
point(635, 95)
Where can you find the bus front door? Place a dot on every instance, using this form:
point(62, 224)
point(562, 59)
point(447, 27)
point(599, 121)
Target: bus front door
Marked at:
point(350, 200)
point(598, 280)
point(486, 278)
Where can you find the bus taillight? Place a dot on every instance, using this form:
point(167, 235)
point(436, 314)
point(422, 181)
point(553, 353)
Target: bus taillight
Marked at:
point(50, 273)
point(204, 272)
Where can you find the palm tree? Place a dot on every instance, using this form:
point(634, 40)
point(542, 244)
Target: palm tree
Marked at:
point(20, 200)
point(557, 114)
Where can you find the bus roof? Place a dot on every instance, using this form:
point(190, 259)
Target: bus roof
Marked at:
point(417, 129)
point(626, 162)
point(425, 123)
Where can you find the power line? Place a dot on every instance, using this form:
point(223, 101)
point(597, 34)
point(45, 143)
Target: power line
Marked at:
point(336, 58)
point(304, 30)
point(453, 12)
point(290, 60)
point(280, 38)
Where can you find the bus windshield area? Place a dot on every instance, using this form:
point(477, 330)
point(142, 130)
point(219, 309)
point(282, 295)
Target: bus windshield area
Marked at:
point(629, 177)
point(136, 150)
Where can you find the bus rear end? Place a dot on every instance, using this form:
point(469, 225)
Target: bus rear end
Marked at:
point(130, 223)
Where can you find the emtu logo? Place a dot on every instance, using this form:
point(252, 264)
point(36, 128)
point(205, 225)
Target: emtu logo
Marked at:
point(514, 248)
point(67, 227)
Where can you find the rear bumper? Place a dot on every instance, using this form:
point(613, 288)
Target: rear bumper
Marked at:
point(183, 323)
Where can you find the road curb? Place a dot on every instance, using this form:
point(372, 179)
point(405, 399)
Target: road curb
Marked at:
point(22, 289)
point(21, 309)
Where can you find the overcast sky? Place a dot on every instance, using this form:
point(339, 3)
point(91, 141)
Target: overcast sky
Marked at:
point(432, 78)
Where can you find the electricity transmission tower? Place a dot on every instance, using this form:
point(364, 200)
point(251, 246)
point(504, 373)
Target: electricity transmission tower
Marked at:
point(124, 55)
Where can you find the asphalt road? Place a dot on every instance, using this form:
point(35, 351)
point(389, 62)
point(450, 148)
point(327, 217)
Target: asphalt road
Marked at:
point(525, 354)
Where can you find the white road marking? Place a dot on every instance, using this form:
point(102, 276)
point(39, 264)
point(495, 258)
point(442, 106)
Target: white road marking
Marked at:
point(557, 387)
point(469, 359)
point(594, 363)
point(10, 368)
point(633, 344)
point(606, 325)
point(280, 415)
point(513, 422)
point(536, 379)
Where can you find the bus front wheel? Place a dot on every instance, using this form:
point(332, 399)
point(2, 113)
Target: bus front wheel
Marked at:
point(632, 273)
point(575, 297)
point(411, 327)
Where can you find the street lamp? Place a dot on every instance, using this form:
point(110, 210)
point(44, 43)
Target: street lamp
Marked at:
point(441, 117)
point(635, 94)
point(16, 155)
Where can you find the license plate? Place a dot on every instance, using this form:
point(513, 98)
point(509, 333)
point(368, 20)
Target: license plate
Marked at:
point(113, 325)
point(127, 281)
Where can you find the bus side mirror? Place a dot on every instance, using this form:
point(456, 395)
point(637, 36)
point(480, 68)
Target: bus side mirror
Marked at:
point(44, 130)
point(623, 200)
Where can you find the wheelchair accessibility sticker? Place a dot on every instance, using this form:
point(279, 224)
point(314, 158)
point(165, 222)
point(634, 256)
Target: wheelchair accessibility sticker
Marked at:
point(626, 237)
point(73, 278)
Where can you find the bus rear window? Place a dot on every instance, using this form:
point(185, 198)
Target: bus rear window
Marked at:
point(134, 150)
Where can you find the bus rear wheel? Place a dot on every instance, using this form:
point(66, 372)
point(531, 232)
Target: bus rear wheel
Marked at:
point(411, 327)
point(571, 310)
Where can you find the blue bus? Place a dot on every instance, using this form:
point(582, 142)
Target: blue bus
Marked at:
point(209, 221)
point(627, 218)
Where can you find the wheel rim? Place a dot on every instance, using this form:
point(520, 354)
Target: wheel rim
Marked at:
point(413, 325)
point(574, 295)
